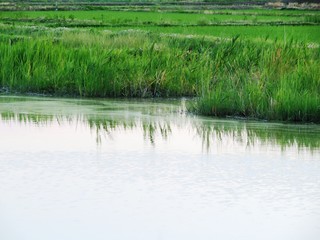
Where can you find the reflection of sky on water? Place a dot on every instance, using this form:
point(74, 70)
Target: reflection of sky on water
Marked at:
point(156, 173)
point(152, 120)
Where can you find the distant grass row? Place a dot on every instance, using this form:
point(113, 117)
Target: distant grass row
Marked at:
point(276, 81)
point(258, 25)
point(188, 18)
point(156, 16)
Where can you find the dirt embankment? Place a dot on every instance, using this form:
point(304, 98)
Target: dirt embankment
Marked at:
point(294, 5)
point(47, 6)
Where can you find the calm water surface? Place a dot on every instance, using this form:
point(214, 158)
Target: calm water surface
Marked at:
point(106, 169)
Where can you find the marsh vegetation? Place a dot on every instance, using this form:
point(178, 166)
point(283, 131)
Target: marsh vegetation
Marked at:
point(262, 64)
point(122, 135)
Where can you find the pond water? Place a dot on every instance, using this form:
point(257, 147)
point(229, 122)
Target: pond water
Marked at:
point(116, 169)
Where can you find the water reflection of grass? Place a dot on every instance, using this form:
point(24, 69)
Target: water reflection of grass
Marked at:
point(211, 132)
point(28, 118)
point(250, 133)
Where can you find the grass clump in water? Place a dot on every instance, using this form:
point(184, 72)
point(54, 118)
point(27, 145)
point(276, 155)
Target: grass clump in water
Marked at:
point(279, 81)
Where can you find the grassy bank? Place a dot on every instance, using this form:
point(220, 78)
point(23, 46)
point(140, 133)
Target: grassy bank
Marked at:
point(235, 62)
point(276, 81)
point(102, 64)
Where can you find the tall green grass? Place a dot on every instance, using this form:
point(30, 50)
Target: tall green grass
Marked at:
point(279, 81)
point(276, 81)
point(128, 64)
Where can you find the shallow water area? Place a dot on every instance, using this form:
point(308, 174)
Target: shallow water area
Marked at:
point(145, 169)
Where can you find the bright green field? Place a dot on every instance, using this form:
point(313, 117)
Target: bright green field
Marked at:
point(222, 23)
point(186, 18)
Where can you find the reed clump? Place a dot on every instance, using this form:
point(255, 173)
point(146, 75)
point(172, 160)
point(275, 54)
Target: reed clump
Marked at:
point(279, 81)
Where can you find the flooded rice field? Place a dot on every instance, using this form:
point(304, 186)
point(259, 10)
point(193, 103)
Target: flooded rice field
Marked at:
point(117, 169)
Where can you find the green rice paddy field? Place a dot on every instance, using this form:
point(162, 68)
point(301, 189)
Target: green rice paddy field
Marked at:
point(258, 64)
point(262, 24)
